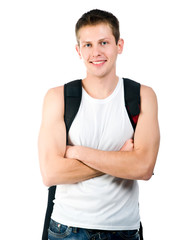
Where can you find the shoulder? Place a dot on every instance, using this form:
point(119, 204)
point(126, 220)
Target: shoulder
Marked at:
point(54, 93)
point(54, 96)
point(148, 98)
point(146, 91)
point(54, 102)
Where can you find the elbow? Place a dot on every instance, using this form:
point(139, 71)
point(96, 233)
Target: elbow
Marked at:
point(47, 182)
point(146, 161)
point(146, 175)
point(47, 179)
point(49, 171)
point(147, 168)
point(141, 172)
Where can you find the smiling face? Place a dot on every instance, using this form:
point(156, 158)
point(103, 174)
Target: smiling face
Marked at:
point(98, 49)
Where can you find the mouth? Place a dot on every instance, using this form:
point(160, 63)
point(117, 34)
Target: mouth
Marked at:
point(98, 63)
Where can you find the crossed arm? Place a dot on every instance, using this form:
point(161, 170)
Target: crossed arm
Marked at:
point(62, 164)
point(55, 167)
point(136, 163)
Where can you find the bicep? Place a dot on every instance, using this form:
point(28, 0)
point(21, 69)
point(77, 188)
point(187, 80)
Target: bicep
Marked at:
point(147, 134)
point(52, 136)
point(52, 140)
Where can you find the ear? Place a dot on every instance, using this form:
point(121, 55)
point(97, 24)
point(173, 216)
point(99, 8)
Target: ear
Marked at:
point(78, 50)
point(120, 45)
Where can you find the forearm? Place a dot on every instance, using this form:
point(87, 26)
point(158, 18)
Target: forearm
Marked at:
point(55, 167)
point(122, 164)
point(138, 163)
point(67, 171)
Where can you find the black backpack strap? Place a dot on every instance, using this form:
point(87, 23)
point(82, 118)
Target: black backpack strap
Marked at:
point(72, 99)
point(141, 232)
point(51, 196)
point(132, 104)
point(132, 100)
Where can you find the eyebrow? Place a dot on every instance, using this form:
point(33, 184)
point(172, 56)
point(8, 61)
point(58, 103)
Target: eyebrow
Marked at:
point(100, 40)
point(103, 39)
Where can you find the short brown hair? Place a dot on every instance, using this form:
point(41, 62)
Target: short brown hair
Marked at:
point(95, 17)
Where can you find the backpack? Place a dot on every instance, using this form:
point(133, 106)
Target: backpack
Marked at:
point(72, 99)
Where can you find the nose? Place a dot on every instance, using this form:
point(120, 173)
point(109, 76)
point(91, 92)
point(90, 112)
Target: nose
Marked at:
point(96, 51)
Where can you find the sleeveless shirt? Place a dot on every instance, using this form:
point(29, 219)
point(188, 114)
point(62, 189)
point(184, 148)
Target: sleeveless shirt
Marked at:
point(105, 202)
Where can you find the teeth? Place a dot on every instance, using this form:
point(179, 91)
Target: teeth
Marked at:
point(98, 62)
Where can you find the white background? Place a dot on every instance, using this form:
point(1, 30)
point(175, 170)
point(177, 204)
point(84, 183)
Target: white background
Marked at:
point(37, 52)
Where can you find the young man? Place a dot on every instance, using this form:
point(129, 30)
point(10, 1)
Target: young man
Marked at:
point(96, 174)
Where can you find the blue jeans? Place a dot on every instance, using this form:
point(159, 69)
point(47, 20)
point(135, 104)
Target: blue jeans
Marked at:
point(58, 231)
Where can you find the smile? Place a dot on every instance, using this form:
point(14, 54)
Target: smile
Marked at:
point(99, 62)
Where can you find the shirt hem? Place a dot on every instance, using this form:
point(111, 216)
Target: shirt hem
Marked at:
point(99, 227)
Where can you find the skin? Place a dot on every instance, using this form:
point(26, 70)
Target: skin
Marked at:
point(136, 164)
point(55, 167)
point(97, 45)
point(61, 164)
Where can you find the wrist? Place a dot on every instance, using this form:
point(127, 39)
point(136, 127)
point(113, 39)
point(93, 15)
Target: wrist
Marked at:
point(72, 152)
point(76, 152)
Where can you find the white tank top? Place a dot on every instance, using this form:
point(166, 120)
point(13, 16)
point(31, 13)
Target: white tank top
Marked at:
point(104, 202)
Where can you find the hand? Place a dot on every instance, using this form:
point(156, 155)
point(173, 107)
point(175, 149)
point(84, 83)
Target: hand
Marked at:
point(128, 146)
point(70, 152)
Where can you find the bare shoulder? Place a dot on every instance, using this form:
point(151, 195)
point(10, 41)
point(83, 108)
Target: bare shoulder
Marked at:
point(54, 102)
point(148, 98)
point(54, 96)
point(147, 92)
point(55, 93)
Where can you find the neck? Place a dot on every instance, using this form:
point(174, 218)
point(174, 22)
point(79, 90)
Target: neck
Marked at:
point(100, 88)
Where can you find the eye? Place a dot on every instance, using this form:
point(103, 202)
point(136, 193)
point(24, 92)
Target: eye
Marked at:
point(104, 43)
point(88, 45)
